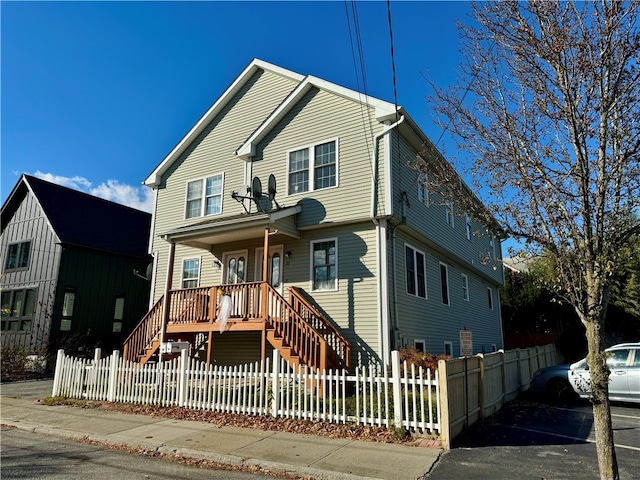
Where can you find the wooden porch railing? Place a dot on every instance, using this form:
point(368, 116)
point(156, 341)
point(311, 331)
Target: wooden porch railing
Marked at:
point(339, 348)
point(144, 333)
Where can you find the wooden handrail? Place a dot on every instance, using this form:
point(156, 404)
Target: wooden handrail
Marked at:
point(144, 333)
point(340, 347)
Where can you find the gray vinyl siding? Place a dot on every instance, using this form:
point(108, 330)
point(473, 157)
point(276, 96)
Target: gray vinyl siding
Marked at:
point(429, 220)
point(29, 223)
point(213, 153)
point(318, 117)
point(431, 320)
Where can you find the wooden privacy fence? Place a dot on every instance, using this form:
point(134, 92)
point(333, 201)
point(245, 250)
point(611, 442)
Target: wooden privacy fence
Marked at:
point(472, 388)
point(406, 399)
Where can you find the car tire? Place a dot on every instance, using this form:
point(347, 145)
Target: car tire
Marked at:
point(559, 391)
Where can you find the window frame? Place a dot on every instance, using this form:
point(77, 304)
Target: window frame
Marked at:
point(190, 279)
point(203, 196)
point(467, 219)
point(18, 256)
point(450, 345)
point(24, 319)
point(416, 276)
point(312, 267)
point(68, 309)
point(465, 286)
point(445, 284)
point(118, 321)
point(311, 167)
point(449, 213)
point(423, 189)
point(490, 298)
point(416, 341)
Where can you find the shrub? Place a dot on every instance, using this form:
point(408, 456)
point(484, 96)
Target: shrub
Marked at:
point(14, 363)
point(420, 359)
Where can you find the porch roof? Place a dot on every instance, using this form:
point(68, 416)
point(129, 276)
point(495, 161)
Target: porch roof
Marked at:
point(238, 227)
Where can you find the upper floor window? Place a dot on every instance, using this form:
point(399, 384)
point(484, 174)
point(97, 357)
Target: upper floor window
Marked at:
point(415, 268)
point(444, 283)
point(18, 255)
point(190, 272)
point(204, 196)
point(313, 168)
point(324, 265)
point(465, 287)
point(490, 298)
point(448, 212)
point(468, 224)
point(18, 307)
point(423, 189)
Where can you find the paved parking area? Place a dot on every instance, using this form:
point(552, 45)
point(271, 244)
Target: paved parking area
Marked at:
point(528, 439)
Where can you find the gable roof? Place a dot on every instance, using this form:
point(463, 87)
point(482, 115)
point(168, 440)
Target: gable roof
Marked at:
point(81, 219)
point(384, 111)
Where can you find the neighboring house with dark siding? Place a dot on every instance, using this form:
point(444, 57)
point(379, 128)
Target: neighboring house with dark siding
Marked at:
point(68, 263)
point(361, 257)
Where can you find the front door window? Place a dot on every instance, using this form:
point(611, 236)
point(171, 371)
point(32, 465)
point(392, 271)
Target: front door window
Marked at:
point(275, 265)
point(235, 267)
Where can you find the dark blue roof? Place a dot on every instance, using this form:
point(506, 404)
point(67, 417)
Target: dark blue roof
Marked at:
point(84, 220)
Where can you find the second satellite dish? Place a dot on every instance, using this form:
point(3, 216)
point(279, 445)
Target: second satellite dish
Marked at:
point(256, 191)
point(272, 189)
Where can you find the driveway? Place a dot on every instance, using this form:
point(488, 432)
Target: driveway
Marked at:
point(528, 439)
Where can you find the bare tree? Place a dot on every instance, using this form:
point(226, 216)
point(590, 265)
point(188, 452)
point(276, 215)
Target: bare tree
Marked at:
point(548, 110)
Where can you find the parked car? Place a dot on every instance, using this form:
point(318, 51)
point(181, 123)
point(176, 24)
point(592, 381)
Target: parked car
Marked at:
point(624, 380)
point(567, 381)
point(553, 382)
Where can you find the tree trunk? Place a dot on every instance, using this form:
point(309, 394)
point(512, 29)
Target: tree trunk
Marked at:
point(599, 373)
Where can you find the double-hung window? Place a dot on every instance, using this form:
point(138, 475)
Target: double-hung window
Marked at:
point(17, 256)
point(324, 264)
point(190, 272)
point(415, 267)
point(444, 283)
point(118, 314)
point(313, 168)
point(204, 196)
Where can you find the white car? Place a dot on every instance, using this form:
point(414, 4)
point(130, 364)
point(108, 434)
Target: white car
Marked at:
point(624, 381)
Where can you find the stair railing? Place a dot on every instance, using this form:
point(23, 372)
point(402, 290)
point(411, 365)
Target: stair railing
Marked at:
point(144, 333)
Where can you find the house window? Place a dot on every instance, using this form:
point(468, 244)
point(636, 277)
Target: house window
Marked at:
point(415, 267)
point(190, 272)
point(490, 298)
point(465, 287)
point(204, 196)
point(448, 349)
point(313, 168)
point(68, 306)
point(423, 189)
point(448, 212)
point(236, 268)
point(468, 223)
point(444, 283)
point(118, 314)
point(18, 256)
point(418, 345)
point(18, 307)
point(324, 265)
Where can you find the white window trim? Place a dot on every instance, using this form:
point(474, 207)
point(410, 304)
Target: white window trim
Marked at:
point(311, 148)
point(311, 244)
point(204, 196)
point(490, 297)
point(450, 344)
point(468, 226)
point(419, 340)
point(442, 264)
point(423, 189)
point(426, 291)
point(449, 213)
point(465, 287)
point(182, 279)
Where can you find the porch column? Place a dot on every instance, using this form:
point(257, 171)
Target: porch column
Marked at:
point(264, 311)
point(166, 302)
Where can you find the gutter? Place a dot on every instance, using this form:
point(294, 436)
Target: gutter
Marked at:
point(381, 257)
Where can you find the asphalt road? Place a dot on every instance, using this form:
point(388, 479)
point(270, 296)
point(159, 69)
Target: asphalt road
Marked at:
point(31, 456)
point(532, 440)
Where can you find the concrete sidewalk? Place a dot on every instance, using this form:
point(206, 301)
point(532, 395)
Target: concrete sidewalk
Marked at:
point(304, 455)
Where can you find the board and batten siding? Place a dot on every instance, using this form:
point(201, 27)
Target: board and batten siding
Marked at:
point(211, 153)
point(434, 322)
point(319, 117)
point(30, 224)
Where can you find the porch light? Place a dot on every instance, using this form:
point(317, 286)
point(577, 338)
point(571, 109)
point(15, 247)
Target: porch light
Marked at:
point(287, 255)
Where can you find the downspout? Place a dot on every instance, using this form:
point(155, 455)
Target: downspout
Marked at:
point(381, 248)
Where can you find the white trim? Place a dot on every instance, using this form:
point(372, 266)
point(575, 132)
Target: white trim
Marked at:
point(258, 264)
point(311, 276)
point(449, 213)
point(467, 220)
point(424, 256)
point(241, 253)
point(388, 172)
point(424, 344)
point(312, 165)
point(450, 344)
point(382, 267)
point(199, 258)
point(423, 185)
point(155, 178)
point(442, 264)
point(465, 286)
point(204, 196)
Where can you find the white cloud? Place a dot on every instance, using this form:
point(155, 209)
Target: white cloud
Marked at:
point(139, 197)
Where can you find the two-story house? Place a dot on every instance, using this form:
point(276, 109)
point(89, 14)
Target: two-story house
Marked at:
point(68, 261)
point(296, 196)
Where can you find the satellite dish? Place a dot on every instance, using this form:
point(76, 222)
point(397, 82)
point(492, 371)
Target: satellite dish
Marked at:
point(256, 190)
point(149, 271)
point(272, 186)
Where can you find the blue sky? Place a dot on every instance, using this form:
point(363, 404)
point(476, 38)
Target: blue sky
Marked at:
point(96, 94)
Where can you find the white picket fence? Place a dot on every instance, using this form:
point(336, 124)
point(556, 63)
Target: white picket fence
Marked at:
point(410, 400)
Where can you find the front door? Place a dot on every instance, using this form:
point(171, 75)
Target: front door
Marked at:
point(275, 266)
point(235, 266)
